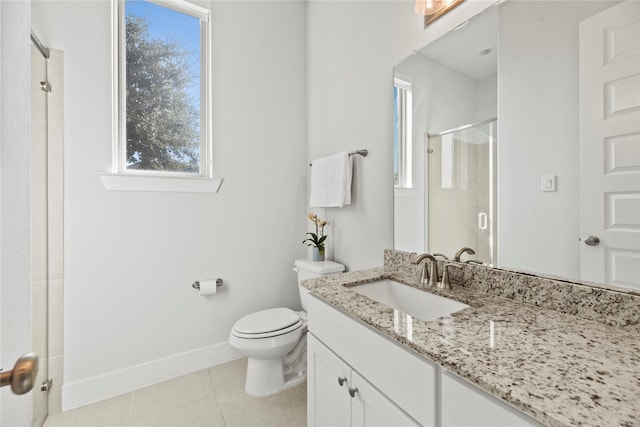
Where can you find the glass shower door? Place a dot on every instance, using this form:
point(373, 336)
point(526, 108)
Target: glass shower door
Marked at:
point(461, 181)
point(39, 232)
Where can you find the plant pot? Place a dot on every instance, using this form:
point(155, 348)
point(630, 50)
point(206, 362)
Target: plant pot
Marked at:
point(317, 253)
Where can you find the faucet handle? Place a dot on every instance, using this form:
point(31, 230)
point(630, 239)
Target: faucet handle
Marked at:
point(458, 254)
point(446, 280)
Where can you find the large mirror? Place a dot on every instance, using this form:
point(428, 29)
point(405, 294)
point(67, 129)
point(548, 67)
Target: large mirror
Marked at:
point(489, 144)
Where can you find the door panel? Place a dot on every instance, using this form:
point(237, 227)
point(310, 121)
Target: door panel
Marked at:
point(372, 409)
point(610, 145)
point(15, 256)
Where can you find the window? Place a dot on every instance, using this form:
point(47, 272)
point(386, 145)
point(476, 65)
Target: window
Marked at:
point(402, 131)
point(162, 108)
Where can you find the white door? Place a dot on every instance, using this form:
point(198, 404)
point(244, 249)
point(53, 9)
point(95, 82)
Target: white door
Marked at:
point(610, 146)
point(15, 257)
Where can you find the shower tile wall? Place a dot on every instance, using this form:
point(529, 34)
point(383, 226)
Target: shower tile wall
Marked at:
point(452, 212)
point(56, 228)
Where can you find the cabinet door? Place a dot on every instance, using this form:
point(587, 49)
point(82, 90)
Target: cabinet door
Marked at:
point(371, 408)
point(405, 378)
point(463, 405)
point(328, 402)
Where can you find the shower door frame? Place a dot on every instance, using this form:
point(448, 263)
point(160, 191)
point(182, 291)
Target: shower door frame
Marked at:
point(49, 312)
point(39, 213)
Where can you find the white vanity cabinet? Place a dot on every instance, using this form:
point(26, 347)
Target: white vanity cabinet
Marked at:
point(395, 386)
point(464, 405)
point(339, 396)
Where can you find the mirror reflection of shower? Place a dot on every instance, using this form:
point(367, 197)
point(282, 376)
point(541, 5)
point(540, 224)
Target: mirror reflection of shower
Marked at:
point(451, 82)
point(461, 190)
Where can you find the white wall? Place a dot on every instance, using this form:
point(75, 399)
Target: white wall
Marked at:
point(349, 88)
point(15, 255)
point(131, 316)
point(538, 134)
point(352, 47)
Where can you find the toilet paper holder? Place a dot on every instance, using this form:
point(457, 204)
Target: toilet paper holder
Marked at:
point(196, 284)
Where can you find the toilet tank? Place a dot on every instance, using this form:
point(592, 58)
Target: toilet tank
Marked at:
point(308, 269)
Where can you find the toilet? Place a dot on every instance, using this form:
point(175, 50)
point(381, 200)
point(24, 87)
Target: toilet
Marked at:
point(275, 340)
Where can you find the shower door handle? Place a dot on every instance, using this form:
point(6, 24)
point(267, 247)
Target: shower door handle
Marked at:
point(23, 375)
point(483, 220)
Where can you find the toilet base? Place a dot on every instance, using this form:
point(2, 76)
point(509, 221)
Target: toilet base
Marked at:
point(265, 377)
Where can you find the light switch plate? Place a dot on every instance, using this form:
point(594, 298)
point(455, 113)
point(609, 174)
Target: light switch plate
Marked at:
point(548, 183)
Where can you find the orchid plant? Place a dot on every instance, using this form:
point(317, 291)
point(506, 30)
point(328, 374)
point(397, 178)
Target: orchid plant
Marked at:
point(317, 239)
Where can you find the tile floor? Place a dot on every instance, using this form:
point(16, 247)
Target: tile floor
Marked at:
point(211, 397)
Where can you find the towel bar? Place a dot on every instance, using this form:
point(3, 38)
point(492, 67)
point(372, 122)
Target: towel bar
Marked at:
point(364, 152)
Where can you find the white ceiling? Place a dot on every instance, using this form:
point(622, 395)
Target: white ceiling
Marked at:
point(459, 48)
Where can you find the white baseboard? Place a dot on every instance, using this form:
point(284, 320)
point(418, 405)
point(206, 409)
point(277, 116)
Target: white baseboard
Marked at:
point(126, 380)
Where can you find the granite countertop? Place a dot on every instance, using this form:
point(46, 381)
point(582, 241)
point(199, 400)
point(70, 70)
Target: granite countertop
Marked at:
point(560, 369)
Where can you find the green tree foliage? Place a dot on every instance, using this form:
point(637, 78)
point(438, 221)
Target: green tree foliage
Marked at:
point(163, 124)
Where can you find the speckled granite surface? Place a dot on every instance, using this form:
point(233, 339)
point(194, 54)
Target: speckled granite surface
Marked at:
point(558, 366)
point(609, 305)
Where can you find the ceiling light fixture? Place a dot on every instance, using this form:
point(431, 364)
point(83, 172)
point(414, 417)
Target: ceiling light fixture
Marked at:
point(429, 7)
point(434, 9)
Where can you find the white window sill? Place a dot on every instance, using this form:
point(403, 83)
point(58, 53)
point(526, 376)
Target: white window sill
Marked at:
point(130, 182)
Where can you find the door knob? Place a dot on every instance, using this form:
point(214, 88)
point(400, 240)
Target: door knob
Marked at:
point(592, 241)
point(342, 380)
point(23, 375)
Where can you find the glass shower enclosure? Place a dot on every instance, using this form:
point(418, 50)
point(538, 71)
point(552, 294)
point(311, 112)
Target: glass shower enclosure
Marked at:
point(461, 190)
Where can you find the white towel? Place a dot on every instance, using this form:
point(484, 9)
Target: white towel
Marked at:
point(331, 181)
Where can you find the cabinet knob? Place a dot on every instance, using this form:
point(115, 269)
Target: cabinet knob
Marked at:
point(342, 380)
point(353, 391)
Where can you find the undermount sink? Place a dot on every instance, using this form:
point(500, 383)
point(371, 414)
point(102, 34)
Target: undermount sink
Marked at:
point(414, 302)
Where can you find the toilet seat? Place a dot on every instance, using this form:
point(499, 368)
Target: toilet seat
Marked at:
point(267, 323)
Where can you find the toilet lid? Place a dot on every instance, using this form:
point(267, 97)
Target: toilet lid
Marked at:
point(269, 320)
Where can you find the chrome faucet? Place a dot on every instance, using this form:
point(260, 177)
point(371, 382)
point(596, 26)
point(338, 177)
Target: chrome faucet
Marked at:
point(426, 278)
point(461, 251)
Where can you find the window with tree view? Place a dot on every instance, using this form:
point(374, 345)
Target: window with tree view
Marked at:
point(163, 85)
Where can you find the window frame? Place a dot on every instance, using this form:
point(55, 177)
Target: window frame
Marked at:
point(404, 124)
point(119, 93)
